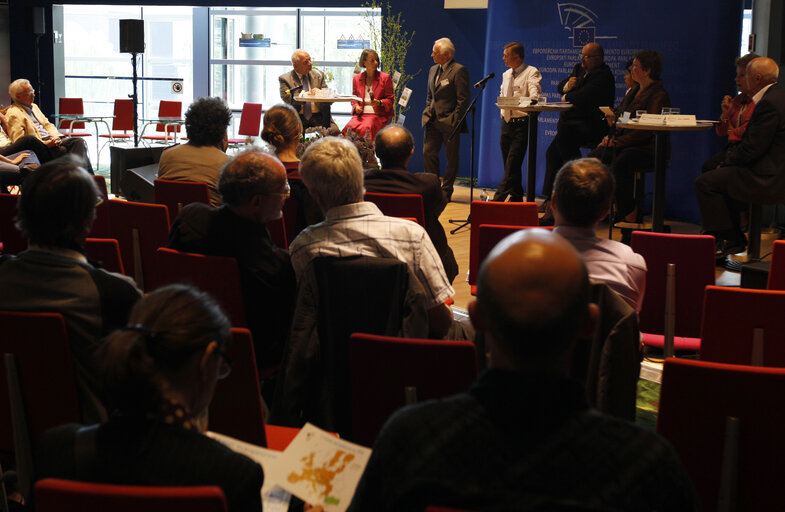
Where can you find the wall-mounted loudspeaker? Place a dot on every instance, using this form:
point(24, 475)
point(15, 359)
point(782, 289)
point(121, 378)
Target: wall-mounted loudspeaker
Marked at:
point(39, 21)
point(132, 36)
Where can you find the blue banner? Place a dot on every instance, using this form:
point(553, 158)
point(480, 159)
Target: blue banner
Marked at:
point(699, 41)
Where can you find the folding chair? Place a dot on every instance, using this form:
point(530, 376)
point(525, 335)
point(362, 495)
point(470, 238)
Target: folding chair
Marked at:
point(177, 194)
point(250, 121)
point(399, 205)
point(167, 110)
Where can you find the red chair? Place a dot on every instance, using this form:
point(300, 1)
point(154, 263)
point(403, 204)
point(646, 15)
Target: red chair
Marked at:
point(726, 424)
point(278, 438)
point(140, 229)
point(237, 409)
point(250, 121)
point(72, 107)
point(11, 239)
point(101, 182)
point(278, 229)
point(122, 122)
point(55, 495)
point(399, 205)
point(492, 234)
point(217, 275)
point(105, 251)
point(177, 194)
point(693, 256)
point(742, 326)
point(388, 373)
point(490, 212)
point(166, 110)
point(777, 268)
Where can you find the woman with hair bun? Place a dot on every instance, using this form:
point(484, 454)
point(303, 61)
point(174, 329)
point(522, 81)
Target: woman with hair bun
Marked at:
point(377, 91)
point(160, 373)
point(281, 130)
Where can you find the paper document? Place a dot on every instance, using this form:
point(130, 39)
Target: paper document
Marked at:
point(321, 469)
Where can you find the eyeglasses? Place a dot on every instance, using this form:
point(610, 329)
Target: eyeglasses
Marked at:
point(588, 56)
point(226, 364)
point(285, 194)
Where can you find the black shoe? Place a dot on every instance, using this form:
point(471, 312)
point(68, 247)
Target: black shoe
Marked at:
point(725, 248)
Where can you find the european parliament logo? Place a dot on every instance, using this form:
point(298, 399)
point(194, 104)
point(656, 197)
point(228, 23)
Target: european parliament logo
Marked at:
point(582, 36)
point(581, 22)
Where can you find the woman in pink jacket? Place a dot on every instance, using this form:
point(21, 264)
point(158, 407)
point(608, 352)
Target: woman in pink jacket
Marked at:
point(376, 89)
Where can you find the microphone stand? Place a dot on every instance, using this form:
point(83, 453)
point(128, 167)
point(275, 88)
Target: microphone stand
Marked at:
point(468, 220)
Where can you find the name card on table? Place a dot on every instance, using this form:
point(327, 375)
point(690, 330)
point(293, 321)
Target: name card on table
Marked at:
point(651, 119)
point(680, 120)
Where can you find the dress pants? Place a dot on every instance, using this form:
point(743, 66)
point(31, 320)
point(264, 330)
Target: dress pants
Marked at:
point(435, 136)
point(514, 141)
point(28, 143)
point(317, 119)
point(719, 210)
point(624, 165)
point(75, 146)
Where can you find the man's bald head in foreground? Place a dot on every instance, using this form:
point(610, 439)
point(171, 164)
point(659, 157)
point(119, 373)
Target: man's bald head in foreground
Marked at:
point(760, 73)
point(532, 300)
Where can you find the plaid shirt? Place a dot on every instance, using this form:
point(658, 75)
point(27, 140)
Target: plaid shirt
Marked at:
point(360, 229)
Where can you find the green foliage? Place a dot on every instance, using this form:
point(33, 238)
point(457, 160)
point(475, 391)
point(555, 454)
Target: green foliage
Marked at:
point(392, 42)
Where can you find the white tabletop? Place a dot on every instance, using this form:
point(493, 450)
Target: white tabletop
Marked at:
point(539, 107)
point(634, 125)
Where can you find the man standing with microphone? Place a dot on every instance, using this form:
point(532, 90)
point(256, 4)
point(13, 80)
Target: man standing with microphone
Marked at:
point(521, 80)
point(446, 103)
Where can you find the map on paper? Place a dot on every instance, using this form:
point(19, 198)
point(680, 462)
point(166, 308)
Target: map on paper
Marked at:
point(321, 469)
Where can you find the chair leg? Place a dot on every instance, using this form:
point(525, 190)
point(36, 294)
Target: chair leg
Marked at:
point(755, 219)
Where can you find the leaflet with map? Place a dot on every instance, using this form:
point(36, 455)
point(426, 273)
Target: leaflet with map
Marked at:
point(320, 469)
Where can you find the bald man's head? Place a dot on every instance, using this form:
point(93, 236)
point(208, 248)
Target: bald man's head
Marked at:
point(533, 296)
point(760, 73)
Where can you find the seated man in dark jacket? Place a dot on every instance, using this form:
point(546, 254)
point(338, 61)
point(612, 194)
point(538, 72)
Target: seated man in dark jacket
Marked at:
point(394, 147)
point(254, 188)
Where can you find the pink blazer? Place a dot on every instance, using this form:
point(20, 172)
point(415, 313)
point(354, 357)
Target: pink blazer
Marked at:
point(382, 90)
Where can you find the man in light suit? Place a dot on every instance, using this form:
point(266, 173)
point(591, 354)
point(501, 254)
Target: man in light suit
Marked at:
point(303, 77)
point(754, 169)
point(447, 101)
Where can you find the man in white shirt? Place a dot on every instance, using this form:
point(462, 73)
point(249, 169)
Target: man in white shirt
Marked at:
point(521, 80)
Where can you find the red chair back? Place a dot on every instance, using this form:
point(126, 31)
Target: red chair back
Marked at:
point(490, 212)
point(695, 400)
point(290, 209)
point(106, 251)
point(72, 107)
point(140, 229)
point(13, 242)
point(101, 182)
point(731, 318)
point(177, 194)
point(278, 438)
point(217, 275)
point(173, 109)
point(383, 368)
point(693, 256)
point(250, 119)
point(236, 409)
point(777, 268)
point(278, 229)
point(55, 495)
point(399, 205)
point(39, 343)
point(123, 115)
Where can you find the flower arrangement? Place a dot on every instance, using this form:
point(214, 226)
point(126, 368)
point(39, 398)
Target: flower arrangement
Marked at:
point(364, 144)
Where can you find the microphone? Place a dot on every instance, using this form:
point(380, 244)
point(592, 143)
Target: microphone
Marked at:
point(293, 89)
point(482, 82)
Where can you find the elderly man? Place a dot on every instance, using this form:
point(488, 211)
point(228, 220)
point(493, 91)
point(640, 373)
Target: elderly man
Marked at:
point(523, 437)
point(753, 170)
point(202, 156)
point(332, 170)
point(394, 147)
point(582, 197)
point(56, 212)
point(589, 86)
point(445, 105)
point(254, 188)
point(304, 78)
point(521, 80)
point(24, 118)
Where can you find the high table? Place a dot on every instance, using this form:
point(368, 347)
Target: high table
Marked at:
point(71, 119)
point(660, 158)
point(171, 125)
point(534, 113)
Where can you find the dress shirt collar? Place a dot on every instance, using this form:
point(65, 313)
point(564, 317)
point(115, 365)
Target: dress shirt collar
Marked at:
point(352, 210)
point(759, 95)
point(574, 231)
point(517, 71)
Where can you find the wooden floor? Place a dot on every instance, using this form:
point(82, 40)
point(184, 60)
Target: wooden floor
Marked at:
point(459, 209)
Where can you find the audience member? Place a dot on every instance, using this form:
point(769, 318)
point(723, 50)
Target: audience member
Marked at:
point(161, 371)
point(590, 85)
point(736, 113)
point(332, 170)
point(629, 151)
point(753, 170)
point(394, 147)
point(306, 79)
point(24, 118)
point(377, 91)
point(582, 196)
point(254, 187)
point(56, 212)
point(521, 80)
point(203, 155)
point(523, 437)
point(446, 103)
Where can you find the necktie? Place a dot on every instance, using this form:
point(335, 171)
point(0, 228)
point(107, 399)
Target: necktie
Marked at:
point(437, 76)
point(307, 105)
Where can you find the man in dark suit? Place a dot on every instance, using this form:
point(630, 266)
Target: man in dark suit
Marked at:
point(754, 169)
point(394, 147)
point(447, 101)
point(303, 77)
point(589, 86)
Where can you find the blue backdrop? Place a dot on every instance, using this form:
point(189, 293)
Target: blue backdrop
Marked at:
point(698, 40)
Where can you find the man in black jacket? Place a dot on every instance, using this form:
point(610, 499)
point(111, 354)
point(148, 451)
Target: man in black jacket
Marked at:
point(589, 86)
point(754, 169)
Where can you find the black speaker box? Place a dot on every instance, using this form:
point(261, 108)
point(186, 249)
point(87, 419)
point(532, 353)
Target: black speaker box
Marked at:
point(138, 184)
point(132, 36)
point(39, 21)
point(130, 158)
